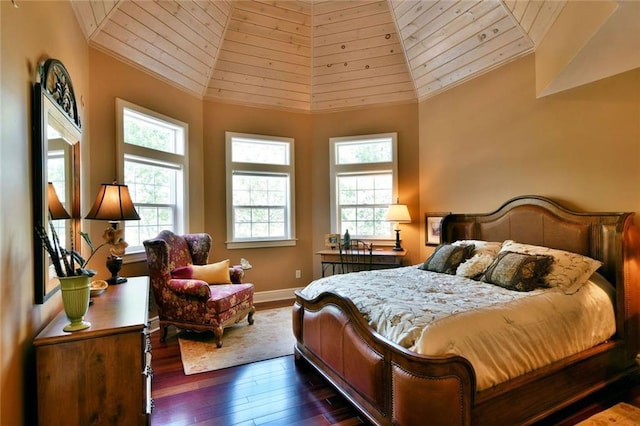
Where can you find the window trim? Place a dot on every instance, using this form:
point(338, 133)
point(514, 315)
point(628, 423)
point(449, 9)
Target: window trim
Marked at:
point(180, 161)
point(230, 168)
point(335, 170)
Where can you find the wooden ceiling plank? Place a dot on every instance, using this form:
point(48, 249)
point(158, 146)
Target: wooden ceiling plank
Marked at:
point(262, 52)
point(305, 7)
point(259, 42)
point(387, 98)
point(446, 33)
point(363, 92)
point(265, 63)
point(363, 73)
point(140, 45)
point(268, 22)
point(362, 54)
point(333, 6)
point(160, 19)
point(148, 64)
point(545, 19)
point(354, 34)
point(519, 8)
point(190, 13)
point(260, 81)
point(346, 26)
point(478, 67)
point(265, 72)
point(84, 14)
point(422, 12)
point(468, 36)
point(259, 90)
point(378, 81)
point(362, 64)
point(268, 33)
point(274, 12)
point(465, 58)
point(443, 24)
point(170, 34)
point(218, 10)
point(530, 15)
point(126, 22)
point(362, 10)
point(388, 40)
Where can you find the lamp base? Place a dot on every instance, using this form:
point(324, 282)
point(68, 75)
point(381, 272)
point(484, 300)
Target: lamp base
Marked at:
point(397, 247)
point(114, 264)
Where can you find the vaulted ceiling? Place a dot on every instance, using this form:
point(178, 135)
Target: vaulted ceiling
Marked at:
point(314, 55)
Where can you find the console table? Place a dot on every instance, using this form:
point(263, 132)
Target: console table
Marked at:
point(101, 375)
point(382, 258)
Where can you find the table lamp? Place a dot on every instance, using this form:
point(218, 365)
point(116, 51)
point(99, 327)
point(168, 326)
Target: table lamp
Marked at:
point(114, 204)
point(398, 213)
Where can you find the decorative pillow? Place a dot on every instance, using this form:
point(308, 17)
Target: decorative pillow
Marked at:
point(474, 266)
point(481, 247)
point(213, 273)
point(446, 258)
point(569, 270)
point(517, 271)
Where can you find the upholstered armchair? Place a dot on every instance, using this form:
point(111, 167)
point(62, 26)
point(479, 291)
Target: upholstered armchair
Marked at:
point(190, 303)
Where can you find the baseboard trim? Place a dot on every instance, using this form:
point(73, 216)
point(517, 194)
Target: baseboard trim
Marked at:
point(275, 295)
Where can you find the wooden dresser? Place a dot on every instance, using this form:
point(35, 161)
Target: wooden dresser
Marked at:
point(101, 375)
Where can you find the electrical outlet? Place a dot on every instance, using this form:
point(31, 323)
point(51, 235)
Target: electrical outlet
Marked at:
point(298, 273)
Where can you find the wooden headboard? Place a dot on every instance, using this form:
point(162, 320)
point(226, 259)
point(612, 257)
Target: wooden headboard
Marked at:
point(609, 237)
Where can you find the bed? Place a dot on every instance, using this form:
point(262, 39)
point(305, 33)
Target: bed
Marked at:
point(392, 384)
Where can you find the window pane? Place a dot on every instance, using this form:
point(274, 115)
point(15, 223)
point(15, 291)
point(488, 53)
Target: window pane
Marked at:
point(259, 206)
point(150, 184)
point(364, 151)
point(362, 202)
point(145, 131)
point(259, 152)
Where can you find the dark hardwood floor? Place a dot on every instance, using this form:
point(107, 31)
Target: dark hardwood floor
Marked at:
point(277, 392)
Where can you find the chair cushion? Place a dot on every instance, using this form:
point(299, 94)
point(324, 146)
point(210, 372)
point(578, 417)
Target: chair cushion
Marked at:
point(226, 296)
point(212, 273)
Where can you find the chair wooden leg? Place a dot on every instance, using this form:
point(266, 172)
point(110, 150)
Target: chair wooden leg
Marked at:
point(217, 332)
point(164, 328)
point(250, 316)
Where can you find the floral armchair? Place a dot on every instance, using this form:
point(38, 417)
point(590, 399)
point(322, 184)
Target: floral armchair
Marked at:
point(193, 304)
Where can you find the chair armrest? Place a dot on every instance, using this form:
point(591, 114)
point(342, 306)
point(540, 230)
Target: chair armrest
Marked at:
point(196, 288)
point(236, 273)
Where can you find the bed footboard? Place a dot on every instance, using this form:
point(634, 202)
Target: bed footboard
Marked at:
point(383, 380)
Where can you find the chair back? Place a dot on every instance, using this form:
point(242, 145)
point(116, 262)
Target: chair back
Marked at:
point(356, 255)
point(169, 251)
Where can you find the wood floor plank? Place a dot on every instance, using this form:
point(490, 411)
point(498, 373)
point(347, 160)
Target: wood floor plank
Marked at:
point(277, 392)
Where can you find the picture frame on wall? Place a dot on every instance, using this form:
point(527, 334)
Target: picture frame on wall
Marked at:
point(433, 228)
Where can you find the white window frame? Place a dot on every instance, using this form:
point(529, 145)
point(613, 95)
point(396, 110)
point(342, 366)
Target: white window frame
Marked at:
point(155, 157)
point(232, 167)
point(336, 170)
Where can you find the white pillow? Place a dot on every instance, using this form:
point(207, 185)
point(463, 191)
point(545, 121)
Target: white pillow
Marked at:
point(569, 271)
point(481, 247)
point(474, 266)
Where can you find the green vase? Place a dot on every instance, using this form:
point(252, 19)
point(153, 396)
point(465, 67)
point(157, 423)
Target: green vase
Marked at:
point(75, 298)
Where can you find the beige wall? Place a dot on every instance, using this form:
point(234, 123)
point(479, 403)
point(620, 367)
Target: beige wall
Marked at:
point(30, 33)
point(490, 139)
point(397, 118)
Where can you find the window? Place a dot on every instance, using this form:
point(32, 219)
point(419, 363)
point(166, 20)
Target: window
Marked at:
point(153, 155)
point(260, 188)
point(363, 172)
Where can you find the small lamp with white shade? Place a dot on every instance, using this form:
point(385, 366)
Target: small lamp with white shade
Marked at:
point(398, 213)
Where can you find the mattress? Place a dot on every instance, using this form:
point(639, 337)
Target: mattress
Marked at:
point(502, 333)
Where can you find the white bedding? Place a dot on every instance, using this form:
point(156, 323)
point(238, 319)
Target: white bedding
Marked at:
point(503, 333)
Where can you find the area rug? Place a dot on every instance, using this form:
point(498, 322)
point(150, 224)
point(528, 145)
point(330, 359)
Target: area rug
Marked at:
point(620, 414)
point(270, 336)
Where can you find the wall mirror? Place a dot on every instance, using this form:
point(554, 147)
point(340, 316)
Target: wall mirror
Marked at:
point(56, 166)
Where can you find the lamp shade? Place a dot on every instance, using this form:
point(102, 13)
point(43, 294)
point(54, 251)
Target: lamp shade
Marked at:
point(113, 203)
point(398, 213)
point(56, 209)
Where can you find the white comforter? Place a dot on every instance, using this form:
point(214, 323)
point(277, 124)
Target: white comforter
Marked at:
point(503, 333)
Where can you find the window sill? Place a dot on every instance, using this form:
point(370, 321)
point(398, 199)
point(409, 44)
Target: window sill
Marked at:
point(231, 245)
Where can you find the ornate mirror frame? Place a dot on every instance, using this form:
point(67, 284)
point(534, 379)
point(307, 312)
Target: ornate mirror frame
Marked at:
point(56, 156)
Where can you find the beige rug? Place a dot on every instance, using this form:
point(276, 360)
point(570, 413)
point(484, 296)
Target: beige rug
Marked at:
point(620, 414)
point(270, 336)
